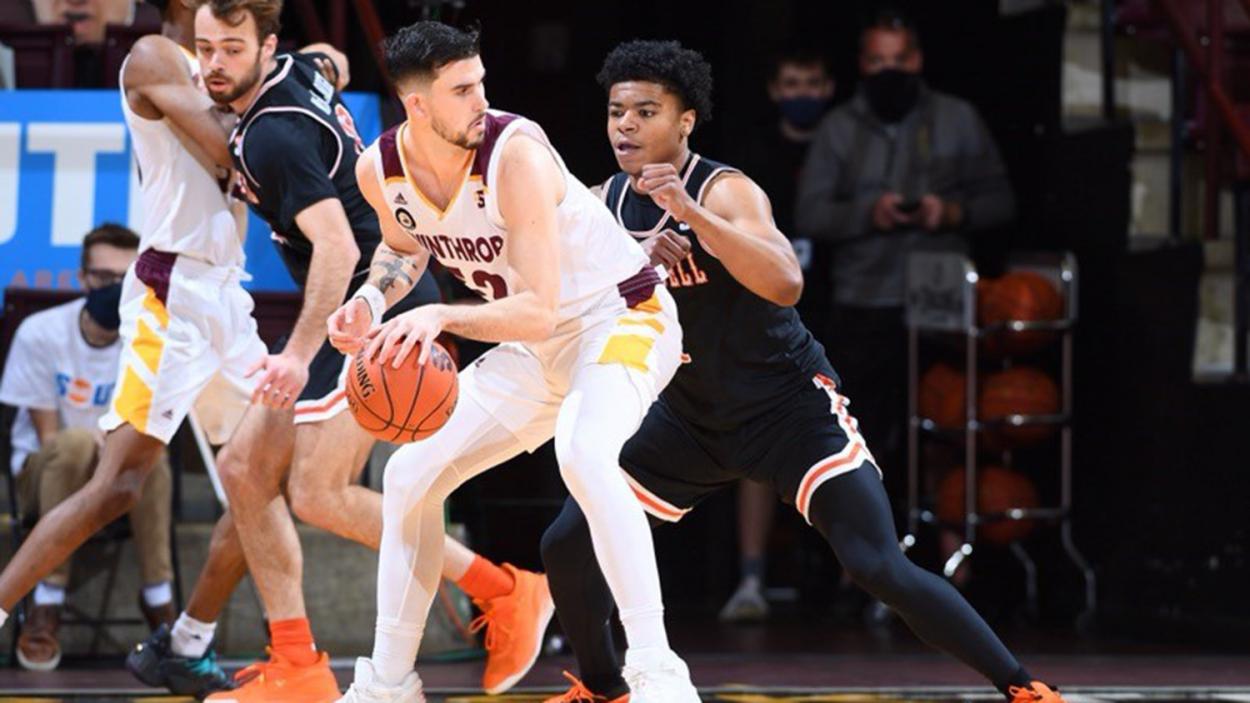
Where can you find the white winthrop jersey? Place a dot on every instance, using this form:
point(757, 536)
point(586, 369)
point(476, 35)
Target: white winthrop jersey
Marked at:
point(185, 210)
point(470, 240)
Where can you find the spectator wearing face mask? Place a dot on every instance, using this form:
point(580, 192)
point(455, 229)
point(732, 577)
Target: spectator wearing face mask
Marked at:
point(60, 374)
point(899, 167)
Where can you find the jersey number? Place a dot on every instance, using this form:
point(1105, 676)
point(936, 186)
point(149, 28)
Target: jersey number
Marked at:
point(349, 126)
point(484, 282)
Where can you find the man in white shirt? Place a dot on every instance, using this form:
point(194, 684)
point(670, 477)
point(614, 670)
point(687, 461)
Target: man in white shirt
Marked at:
point(60, 374)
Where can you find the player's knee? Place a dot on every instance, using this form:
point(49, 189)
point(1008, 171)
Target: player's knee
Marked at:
point(580, 458)
point(233, 468)
point(881, 575)
point(312, 503)
point(119, 496)
point(409, 475)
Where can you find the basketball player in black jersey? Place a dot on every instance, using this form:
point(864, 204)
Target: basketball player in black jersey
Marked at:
point(757, 398)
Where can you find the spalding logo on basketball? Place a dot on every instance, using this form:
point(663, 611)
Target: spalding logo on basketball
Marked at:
point(405, 404)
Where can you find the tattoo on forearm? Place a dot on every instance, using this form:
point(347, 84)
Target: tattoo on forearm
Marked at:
point(392, 271)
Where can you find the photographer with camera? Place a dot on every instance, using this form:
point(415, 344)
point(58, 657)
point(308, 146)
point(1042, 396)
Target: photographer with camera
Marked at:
point(896, 168)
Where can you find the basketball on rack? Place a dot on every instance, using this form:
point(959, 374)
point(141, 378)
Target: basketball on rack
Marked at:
point(1019, 295)
point(942, 395)
point(998, 490)
point(1020, 390)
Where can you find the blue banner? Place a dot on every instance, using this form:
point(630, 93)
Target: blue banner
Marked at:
point(65, 167)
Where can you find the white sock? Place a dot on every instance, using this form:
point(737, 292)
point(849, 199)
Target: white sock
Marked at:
point(158, 595)
point(645, 627)
point(4, 616)
point(395, 651)
point(190, 637)
point(49, 594)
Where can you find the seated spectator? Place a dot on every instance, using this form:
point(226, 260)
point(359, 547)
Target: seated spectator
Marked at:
point(60, 375)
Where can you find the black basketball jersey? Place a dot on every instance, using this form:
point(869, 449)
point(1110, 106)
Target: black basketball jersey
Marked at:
point(295, 146)
point(746, 354)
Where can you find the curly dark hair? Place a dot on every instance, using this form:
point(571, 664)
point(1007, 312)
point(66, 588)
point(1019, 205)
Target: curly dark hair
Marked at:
point(420, 49)
point(683, 72)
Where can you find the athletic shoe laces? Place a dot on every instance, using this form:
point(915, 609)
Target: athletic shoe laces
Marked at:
point(578, 693)
point(497, 635)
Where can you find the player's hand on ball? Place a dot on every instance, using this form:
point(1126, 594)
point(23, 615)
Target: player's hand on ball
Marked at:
point(394, 340)
point(349, 325)
point(284, 378)
point(667, 248)
point(664, 185)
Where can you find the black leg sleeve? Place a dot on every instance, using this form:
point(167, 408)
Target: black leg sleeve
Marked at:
point(583, 602)
point(853, 514)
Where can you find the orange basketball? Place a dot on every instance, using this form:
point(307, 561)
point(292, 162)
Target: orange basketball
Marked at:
point(403, 404)
point(998, 490)
point(1020, 295)
point(1021, 390)
point(942, 395)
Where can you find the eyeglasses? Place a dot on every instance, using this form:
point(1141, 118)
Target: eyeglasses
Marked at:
point(104, 277)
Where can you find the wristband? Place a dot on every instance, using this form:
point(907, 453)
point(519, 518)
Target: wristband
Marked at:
point(375, 299)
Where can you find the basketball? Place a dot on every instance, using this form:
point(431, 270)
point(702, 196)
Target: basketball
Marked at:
point(403, 404)
point(998, 490)
point(1020, 390)
point(942, 395)
point(1020, 295)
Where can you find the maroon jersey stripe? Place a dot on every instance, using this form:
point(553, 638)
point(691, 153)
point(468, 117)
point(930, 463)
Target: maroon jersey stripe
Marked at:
point(388, 148)
point(481, 159)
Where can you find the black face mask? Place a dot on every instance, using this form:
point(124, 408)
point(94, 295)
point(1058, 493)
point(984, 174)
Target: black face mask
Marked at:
point(803, 112)
point(104, 306)
point(892, 93)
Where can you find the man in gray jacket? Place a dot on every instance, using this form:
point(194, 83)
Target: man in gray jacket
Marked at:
point(897, 168)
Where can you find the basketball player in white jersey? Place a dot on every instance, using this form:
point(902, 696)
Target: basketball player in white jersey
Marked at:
point(186, 323)
point(589, 336)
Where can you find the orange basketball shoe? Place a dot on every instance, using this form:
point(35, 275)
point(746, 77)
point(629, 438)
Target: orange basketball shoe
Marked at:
point(279, 681)
point(515, 624)
point(580, 694)
point(1036, 692)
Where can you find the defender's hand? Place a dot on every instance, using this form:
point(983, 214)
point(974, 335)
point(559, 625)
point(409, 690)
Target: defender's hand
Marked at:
point(667, 248)
point(348, 326)
point(284, 378)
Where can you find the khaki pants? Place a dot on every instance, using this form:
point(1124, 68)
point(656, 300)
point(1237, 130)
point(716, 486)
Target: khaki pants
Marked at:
point(64, 465)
